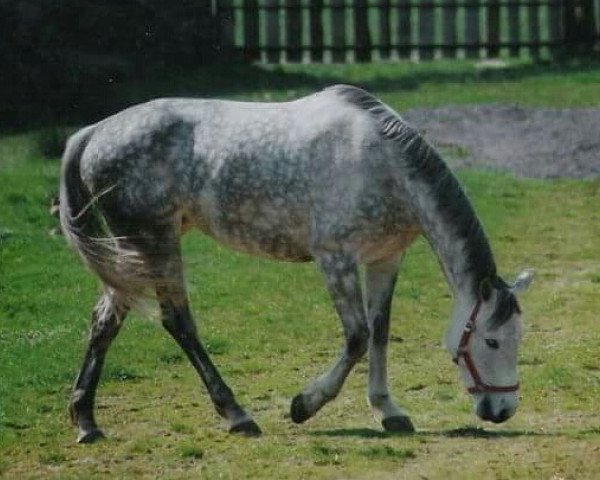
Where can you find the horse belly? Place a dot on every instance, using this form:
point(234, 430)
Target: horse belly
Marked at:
point(259, 229)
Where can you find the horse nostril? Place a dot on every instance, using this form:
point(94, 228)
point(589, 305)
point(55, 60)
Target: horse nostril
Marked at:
point(502, 416)
point(486, 412)
point(485, 409)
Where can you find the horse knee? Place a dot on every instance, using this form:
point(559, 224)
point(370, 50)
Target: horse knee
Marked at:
point(357, 343)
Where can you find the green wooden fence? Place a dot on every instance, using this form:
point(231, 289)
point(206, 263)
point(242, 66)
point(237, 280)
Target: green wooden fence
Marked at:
point(275, 31)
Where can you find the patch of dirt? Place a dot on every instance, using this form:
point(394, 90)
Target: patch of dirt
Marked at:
point(529, 142)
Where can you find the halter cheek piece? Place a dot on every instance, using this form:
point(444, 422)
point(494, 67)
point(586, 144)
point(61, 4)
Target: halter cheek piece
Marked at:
point(463, 351)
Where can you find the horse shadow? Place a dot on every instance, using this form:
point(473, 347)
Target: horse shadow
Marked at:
point(460, 432)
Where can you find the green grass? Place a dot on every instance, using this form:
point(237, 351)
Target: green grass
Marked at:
point(403, 85)
point(271, 328)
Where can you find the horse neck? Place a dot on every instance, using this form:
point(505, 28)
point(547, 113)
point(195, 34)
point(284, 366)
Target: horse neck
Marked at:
point(447, 218)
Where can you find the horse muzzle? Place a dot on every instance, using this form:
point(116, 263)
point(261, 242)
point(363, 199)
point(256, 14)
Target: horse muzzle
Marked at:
point(496, 408)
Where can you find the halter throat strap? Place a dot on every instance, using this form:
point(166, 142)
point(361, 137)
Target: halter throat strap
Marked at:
point(479, 386)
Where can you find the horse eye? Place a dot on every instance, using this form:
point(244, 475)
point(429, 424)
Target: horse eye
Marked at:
point(490, 342)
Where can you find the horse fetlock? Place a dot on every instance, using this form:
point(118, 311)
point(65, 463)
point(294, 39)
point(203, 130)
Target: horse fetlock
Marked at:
point(378, 400)
point(246, 428)
point(298, 410)
point(89, 435)
point(76, 404)
point(308, 403)
point(224, 402)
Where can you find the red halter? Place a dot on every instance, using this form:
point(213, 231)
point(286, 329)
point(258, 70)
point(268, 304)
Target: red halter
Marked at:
point(480, 386)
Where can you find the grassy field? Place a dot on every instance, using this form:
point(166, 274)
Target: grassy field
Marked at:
point(271, 328)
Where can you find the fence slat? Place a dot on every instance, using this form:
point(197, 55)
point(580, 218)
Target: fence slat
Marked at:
point(472, 28)
point(385, 39)
point(362, 39)
point(514, 33)
point(226, 26)
point(338, 30)
point(293, 30)
point(534, 29)
point(251, 32)
point(493, 28)
point(272, 44)
point(579, 23)
point(449, 28)
point(555, 33)
point(404, 37)
point(315, 14)
point(426, 32)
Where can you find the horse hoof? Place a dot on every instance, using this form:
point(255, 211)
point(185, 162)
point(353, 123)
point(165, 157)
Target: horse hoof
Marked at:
point(89, 436)
point(298, 410)
point(398, 424)
point(249, 428)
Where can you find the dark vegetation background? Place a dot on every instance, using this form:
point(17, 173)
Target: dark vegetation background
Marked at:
point(59, 58)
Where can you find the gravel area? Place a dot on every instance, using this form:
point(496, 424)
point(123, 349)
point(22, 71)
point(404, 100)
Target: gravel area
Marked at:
point(529, 142)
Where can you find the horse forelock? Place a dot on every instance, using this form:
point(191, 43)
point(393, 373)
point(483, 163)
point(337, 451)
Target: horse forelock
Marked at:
point(424, 164)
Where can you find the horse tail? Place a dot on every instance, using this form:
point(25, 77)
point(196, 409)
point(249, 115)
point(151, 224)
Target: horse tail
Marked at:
point(120, 268)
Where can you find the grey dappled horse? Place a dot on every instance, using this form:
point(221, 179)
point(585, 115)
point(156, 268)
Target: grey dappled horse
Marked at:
point(336, 177)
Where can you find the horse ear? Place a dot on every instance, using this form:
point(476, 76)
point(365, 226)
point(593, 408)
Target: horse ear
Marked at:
point(485, 289)
point(522, 281)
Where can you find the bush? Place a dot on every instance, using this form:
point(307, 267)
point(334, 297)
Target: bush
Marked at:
point(50, 142)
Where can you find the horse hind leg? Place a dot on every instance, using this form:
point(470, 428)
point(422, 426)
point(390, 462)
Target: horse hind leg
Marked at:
point(380, 282)
point(107, 317)
point(165, 266)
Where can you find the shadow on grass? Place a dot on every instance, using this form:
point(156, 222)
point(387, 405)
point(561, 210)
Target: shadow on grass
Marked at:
point(95, 98)
point(462, 432)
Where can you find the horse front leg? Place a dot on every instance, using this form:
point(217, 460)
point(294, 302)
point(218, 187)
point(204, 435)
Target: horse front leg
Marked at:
point(342, 280)
point(380, 283)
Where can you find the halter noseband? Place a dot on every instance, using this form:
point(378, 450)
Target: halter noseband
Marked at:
point(480, 386)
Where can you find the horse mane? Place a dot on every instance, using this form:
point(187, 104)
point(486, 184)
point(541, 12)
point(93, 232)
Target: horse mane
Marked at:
point(424, 164)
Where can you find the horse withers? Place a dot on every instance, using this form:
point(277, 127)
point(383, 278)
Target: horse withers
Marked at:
point(337, 178)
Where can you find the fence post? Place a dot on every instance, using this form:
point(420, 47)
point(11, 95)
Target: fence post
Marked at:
point(226, 26)
point(449, 28)
point(472, 28)
point(273, 44)
point(534, 30)
point(514, 33)
point(493, 28)
point(338, 30)
point(555, 33)
point(362, 38)
point(384, 39)
point(316, 30)
point(293, 17)
point(404, 41)
point(579, 22)
point(426, 32)
point(251, 36)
